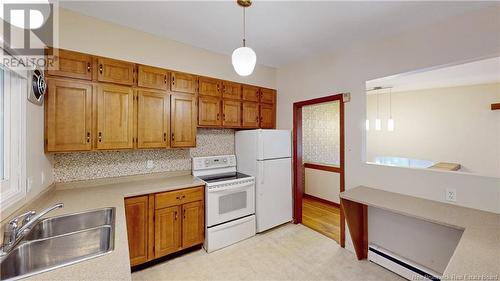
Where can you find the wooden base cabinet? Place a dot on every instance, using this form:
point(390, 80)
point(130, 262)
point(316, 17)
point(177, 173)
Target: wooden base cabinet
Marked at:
point(163, 223)
point(136, 210)
point(167, 231)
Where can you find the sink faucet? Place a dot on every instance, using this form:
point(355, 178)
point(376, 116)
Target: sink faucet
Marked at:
point(14, 232)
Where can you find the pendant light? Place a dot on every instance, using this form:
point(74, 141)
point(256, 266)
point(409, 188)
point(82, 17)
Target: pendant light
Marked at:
point(378, 123)
point(390, 122)
point(244, 58)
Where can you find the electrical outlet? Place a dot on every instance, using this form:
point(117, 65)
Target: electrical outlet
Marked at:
point(150, 164)
point(451, 195)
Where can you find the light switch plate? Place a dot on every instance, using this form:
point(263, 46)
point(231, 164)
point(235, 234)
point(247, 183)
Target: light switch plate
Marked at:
point(451, 195)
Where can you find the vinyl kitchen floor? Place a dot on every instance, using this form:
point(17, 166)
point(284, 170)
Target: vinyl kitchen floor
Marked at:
point(290, 252)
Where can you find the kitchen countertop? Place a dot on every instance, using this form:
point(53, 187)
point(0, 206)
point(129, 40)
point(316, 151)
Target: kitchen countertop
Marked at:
point(478, 251)
point(114, 265)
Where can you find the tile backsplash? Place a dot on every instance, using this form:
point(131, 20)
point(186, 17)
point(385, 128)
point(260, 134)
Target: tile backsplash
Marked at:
point(104, 164)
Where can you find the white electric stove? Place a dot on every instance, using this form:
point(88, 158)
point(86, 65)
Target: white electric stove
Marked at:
point(230, 201)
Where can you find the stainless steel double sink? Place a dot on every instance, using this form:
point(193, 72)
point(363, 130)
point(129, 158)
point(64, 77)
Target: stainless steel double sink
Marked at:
point(60, 241)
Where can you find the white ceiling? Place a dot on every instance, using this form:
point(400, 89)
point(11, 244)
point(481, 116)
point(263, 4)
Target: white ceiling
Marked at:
point(472, 73)
point(280, 32)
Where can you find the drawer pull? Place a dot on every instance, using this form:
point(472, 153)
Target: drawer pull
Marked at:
point(88, 66)
point(100, 68)
point(175, 214)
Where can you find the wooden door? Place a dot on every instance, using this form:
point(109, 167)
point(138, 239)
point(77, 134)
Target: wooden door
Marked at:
point(69, 116)
point(209, 111)
point(153, 119)
point(266, 116)
point(152, 77)
point(231, 114)
point(136, 213)
point(193, 226)
point(72, 64)
point(231, 90)
point(115, 71)
point(115, 105)
point(209, 87)
point(184, 83)
point(183, 120)
point(249, 93)
point(267, 96)
point(167, 231)
point(250, 115)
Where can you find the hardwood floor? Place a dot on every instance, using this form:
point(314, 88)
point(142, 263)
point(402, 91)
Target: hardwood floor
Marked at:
point(321, 217)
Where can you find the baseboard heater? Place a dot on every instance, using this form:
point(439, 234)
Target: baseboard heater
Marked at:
point(400, 265)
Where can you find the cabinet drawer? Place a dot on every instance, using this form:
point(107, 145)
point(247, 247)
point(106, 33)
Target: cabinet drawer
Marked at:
point(178, 197)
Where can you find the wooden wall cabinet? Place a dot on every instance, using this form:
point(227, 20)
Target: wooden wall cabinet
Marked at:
point(209, 111)
point(163, 223)
point(183, 114)
point(267, 96)
point(153, 119)
point(183, 83)
point(98, 103)
point(250, 115)
point(68, 113)
point(266, 119)
point(72, 64)
point(231, 116)
point(115, 112)
point(250, 93)
point(209, 87)
point(115, 71)
point(231, 90)
point(152, 77)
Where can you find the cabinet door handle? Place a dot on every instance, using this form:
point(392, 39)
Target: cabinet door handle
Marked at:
point(224, 116)
point(184, 214)
point(100, 137)
point(165, 78)
point(164, 136)
point(173, 136)
point(173, 79)
point(88, 136)
point(88, 66)
point(218, 116)
point(175, 214)
point(257, 118)
point(100, 68)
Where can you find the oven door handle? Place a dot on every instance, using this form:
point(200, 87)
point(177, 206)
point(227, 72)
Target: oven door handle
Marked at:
point(232, 188)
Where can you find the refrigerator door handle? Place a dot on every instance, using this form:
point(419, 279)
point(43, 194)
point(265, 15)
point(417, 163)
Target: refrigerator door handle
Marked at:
point(261, 172)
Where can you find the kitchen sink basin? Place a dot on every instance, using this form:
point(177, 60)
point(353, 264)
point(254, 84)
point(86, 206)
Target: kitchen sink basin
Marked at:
point(61, 241)
point(55, 226)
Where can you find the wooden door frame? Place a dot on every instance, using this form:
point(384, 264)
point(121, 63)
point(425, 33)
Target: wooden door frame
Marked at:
point(298, 172)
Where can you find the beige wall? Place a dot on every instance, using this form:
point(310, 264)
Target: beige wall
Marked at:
point(467, 37)
point(85, 34)
point(322, 184)
point(453, 124)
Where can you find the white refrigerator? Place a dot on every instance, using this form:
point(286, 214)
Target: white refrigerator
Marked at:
point(266, 155)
